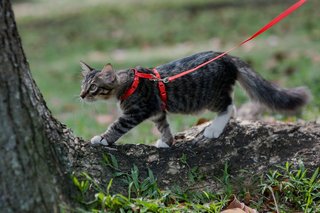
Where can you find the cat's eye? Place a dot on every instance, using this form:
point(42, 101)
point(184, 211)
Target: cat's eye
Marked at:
point(93, 87)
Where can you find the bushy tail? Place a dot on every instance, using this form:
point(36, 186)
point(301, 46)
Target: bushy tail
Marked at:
point(269, 94)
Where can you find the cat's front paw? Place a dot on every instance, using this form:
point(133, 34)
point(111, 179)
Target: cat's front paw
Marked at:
point(161, 144)
point(99, 140)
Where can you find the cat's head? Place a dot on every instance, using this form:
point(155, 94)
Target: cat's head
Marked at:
point(96, 84)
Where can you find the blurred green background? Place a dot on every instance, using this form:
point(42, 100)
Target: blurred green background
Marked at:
point(56, 35)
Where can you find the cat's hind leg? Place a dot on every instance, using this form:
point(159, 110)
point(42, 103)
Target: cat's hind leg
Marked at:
point(163, 127)
point(217, 126)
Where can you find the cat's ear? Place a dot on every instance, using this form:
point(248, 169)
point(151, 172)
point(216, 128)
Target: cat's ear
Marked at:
point(85, 68)
point(107, 68)
point(109, 72)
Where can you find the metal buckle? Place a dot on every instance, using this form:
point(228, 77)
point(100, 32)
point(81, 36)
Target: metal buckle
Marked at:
point(154, 78)
point(165, 80)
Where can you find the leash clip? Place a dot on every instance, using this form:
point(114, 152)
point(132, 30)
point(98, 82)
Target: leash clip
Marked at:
point(165, 80)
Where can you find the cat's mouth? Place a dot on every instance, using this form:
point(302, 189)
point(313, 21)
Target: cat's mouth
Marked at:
point(85, 96)
point(90, 99)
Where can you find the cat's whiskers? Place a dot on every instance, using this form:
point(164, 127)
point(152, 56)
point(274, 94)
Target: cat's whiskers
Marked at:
point(78, 98)
point(93, 107)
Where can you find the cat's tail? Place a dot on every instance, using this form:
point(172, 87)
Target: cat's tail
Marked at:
point(269, 94)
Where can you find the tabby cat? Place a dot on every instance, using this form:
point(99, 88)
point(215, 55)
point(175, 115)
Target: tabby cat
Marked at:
point(209, 88)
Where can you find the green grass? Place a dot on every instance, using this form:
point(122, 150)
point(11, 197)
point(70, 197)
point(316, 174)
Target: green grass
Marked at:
point(287, 188)
point(56, 36)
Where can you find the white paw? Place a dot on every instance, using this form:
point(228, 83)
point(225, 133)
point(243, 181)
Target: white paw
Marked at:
point(212, 132)
point(99, 140)
point(161, 144)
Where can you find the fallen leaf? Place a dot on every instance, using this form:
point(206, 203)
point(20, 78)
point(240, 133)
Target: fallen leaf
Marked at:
point(201, 121)
point(235, 206)
point(236, 210)
point(247, 198)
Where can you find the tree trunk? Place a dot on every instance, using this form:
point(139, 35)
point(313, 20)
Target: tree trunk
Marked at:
point(31, 173)
point(38, 153)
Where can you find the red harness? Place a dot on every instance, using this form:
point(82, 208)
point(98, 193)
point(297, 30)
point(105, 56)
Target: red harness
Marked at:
point(153, 77)
point(161, 82)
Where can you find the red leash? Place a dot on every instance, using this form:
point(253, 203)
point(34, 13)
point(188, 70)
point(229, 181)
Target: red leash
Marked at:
point(161, 82)
point(262, 30)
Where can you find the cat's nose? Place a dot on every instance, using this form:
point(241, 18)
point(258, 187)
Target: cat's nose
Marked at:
point(82, 95)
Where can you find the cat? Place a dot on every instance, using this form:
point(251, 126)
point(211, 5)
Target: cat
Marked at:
point(209, 88)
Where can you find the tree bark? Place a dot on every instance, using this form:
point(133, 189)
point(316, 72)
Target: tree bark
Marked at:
point(31, 168)
point(38, 153)
point(245, 145)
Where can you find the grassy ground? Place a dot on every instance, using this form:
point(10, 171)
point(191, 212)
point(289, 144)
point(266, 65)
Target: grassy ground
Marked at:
point(57, 34)
point(289, 188)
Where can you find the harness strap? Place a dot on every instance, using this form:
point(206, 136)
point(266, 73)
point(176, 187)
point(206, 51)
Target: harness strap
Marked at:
point(133, 86)
point(145, 75)
point(162, 90)
point(153, 77)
